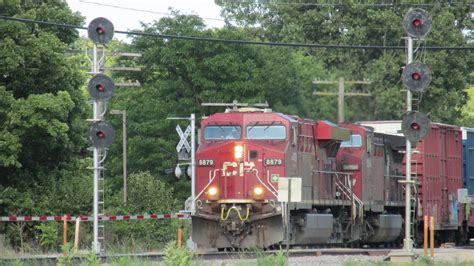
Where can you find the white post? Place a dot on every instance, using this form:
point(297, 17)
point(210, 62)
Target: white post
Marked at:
point(95, 207)
point(340, 101)
point(408, 243)
point(124, 140)
point(193, 163)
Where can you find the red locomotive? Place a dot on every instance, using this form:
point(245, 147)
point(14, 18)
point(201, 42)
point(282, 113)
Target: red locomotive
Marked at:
point(350, 175)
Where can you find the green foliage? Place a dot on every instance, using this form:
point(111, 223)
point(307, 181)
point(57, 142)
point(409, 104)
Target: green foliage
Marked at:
point(68, 255)
point(278, 259)
point(467, 118)
point(177, 256)
point(42, 119)
point(146, 194)
point(351, 23)
point(48, 235)
point(179, 75)
point(92, 259)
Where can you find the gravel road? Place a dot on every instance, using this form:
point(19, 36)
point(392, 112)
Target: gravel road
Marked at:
point(324, 260)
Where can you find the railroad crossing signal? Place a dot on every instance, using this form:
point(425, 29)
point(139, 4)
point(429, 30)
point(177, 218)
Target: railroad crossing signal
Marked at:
point(416, 77)
point(417, 23)
point(101, 87)
point(100, 30)
point(183, 139)
point(415, 126)
point(101, 134)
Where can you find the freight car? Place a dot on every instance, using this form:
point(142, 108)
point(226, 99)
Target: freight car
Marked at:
point(437, 171)
point(468, 159)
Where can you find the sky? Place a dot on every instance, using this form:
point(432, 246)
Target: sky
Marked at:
point(127, 14)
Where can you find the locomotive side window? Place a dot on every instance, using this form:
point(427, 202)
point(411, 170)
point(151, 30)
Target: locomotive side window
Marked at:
point(355, 141)
point(222, 132)
point(266, 132)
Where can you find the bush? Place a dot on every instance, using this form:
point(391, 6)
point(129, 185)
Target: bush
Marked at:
point(48, 235)
point(146, 194)
point(177, 256)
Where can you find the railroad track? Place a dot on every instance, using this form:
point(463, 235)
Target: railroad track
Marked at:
point(204, 255)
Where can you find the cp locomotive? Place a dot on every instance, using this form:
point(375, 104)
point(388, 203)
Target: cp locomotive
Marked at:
point(350, 173)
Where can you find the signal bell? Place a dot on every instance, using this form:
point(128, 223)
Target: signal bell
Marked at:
point(416, 77)
point(417, 23)
point(101, 87)
point(415, 126)
point(100, 30)
point(101, 134)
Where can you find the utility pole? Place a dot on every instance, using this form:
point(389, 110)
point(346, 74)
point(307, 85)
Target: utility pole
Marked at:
point(341, 93)
point(124, 148)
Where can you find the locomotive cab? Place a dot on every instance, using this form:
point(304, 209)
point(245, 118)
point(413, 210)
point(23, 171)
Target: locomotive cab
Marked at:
point(239, 160)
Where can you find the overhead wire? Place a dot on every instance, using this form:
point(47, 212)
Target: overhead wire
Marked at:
point(235, 41)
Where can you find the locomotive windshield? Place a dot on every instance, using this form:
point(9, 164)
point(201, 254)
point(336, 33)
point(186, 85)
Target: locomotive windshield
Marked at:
point(266, 132)
point(354, 142)
point(222, 132)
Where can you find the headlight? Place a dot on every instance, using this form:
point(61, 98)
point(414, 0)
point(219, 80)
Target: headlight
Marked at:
point(212, 191)
point(258, 191)
point(238, 151)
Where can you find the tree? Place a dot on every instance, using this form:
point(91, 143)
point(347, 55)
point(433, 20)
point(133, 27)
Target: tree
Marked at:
point(43, 106)
point(179, 75)
point(467, 118)
point(42, 114)
point(352, 23)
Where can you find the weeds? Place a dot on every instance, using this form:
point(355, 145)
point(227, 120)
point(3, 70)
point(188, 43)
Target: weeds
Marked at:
point(69, 254)
point(278, 259)
point(92, 259)
point(177, 256)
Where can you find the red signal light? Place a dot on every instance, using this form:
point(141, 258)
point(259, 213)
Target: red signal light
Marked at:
point(100, 134)
point(417, 23)
point(416, 76)
point(415, 126)
point(100, 30)
point(100, 87)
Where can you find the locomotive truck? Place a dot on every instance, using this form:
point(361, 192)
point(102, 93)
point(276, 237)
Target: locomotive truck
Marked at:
point(351, 192)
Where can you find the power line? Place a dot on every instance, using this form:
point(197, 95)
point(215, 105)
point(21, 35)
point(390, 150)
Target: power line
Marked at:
point(235, 41)
point(141, 10)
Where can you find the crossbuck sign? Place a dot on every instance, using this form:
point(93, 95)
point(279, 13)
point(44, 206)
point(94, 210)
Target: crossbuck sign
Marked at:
point(183, 139)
